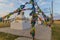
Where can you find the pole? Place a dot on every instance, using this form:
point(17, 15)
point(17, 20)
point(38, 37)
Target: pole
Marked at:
point(33, 15)
point(34, 19)
point(52, 12)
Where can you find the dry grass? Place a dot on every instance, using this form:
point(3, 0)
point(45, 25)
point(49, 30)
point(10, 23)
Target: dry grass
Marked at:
point(5, 24)
point(56, 31)
point(57, 22)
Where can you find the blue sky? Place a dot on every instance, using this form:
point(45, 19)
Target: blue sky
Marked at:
point(7, 6)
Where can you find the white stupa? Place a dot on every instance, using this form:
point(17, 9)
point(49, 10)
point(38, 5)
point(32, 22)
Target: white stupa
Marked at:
point(20, 23)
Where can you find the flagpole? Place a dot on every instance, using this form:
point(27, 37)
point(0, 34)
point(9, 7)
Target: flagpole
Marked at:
point(33, 16)
point(33, 19)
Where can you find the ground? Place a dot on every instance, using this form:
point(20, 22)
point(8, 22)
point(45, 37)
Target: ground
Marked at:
point(55, 32)
point(42, 32)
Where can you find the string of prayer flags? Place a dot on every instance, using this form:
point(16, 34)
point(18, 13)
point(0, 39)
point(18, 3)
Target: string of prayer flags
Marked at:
point(32, 32)
point(31, 1)
point(31, 13)
point(22, 6)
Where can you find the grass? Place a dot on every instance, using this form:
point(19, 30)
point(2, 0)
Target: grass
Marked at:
point(56, 31)
point(6, 36)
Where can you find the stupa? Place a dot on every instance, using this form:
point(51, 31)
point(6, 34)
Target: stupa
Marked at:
point(20, 23)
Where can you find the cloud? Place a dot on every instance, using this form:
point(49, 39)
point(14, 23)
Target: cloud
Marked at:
point(3, 13)
point(56, 1)
point(11, 4)
point(7, 5)
point(43, 3)
point(3, 0)
point(5, 8)
point(21, 2)
point(2, 4)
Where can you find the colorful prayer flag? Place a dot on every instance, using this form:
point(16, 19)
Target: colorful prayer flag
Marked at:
point(31, 1)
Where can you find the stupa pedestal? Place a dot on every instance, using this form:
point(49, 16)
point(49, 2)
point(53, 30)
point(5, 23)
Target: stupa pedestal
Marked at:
point(20, 25)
